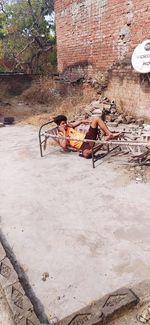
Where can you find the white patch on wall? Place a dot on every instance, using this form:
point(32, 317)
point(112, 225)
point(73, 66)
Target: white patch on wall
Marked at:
point(82, 14)
point(64, 12)
point(85, 7)
point(123, 37)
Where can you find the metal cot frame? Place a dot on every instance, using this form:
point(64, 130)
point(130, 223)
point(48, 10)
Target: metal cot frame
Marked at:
point(51, 133)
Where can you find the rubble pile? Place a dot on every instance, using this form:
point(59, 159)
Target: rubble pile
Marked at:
point(107, 110)
point(131, 129)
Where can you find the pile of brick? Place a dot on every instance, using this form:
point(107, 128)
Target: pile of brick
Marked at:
point(107, 110)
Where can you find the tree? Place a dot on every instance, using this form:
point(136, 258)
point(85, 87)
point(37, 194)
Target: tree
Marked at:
point(27, 32)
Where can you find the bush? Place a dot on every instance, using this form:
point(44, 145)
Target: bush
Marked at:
point(42, 91)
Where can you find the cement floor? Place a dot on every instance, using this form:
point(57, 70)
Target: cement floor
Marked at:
point(87, 228)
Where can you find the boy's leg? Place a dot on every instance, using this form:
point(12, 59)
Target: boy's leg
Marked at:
point(92, 134)
point(97, 121)
point(87, 153)
point(87, 146)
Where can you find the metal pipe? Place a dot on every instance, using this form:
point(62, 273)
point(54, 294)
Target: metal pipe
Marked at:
point(116, 142)
point(40, 142)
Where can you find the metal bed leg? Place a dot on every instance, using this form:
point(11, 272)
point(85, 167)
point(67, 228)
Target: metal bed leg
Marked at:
point(93, 162)
point(40, 141)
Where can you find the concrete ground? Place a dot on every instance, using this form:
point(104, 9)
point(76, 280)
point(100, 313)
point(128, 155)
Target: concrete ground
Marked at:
point(88, 229)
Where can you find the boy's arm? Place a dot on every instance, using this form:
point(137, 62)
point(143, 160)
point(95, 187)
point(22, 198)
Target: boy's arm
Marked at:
point(62, 142)
point(77, 123)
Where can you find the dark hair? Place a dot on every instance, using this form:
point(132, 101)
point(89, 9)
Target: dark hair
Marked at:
point(59, 118)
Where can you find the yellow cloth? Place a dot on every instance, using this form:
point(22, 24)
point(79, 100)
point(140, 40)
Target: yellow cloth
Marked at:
point(72, 133)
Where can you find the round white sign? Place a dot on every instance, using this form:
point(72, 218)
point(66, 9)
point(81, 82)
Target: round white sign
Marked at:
point(141, 57)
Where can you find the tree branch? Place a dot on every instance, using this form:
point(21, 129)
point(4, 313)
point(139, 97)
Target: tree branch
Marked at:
point(24, 48)
point(2, 7)
point(31, 11)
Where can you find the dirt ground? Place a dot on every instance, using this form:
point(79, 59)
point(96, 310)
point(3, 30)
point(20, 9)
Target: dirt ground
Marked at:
point(23, 112)
point(39, 102)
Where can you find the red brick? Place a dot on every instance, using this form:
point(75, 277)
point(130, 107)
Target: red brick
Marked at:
point(89, 30)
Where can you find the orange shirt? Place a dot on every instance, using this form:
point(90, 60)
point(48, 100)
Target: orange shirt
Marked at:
point(72, 133)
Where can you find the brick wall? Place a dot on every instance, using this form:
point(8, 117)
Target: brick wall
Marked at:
point(100, 35)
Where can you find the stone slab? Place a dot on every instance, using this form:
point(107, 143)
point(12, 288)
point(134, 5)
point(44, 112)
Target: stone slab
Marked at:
point(103, 310)
point(20, 305)
point(17, 300)
point(21, 308)
point(2, 253)
point(8, 275)
point(5, 312)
